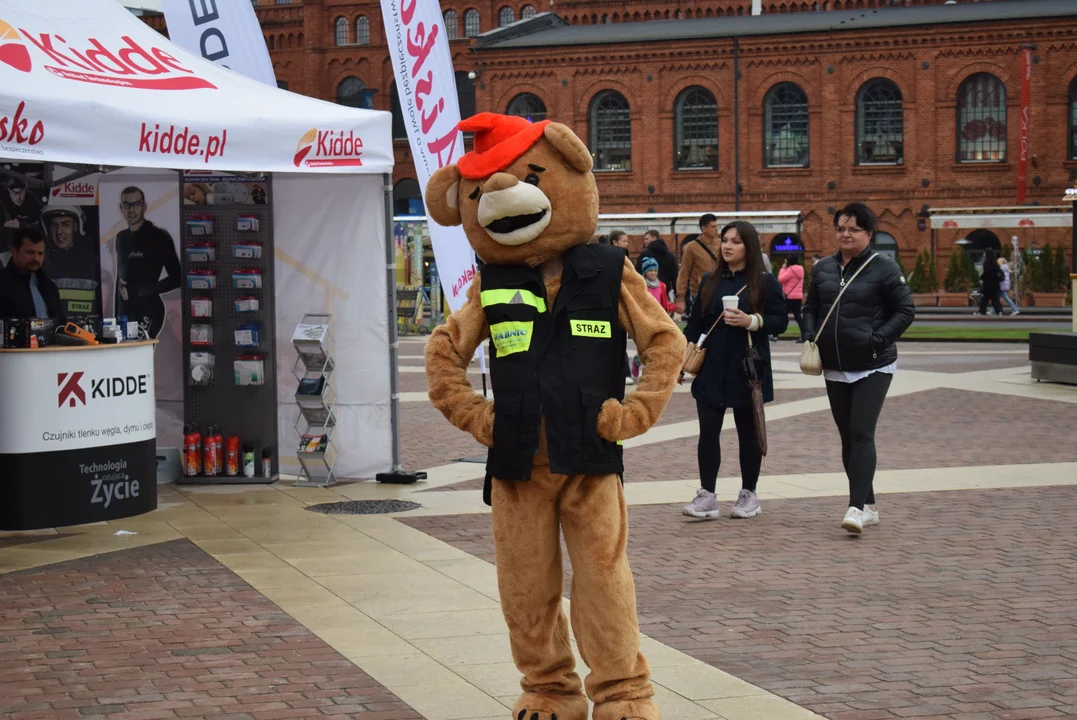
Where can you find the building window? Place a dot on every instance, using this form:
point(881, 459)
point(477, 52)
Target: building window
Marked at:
point(408, 198)
point(362, 30)
point(282, 84)
point(981, 119)
point(1073, 120)
point(695, 123)
point(283, 2)
point(785, 127)
point(471, 23)
point(880, 124)
point(527, 105)
point(271, 42)
point(350, 92)
point(505, 16)
point(465, 94)
point(452, 25)
point(610, 131)
point(527, 11)
point(341, 29)
point(886, 245)
point(400, 130)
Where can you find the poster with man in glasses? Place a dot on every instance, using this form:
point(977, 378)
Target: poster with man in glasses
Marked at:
point(147, 266)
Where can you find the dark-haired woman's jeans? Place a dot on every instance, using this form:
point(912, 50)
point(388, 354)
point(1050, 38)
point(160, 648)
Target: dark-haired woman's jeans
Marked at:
point(856, 408)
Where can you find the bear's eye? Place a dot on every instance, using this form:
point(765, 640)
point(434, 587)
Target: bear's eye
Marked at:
point(474, 193)
point(532, 179)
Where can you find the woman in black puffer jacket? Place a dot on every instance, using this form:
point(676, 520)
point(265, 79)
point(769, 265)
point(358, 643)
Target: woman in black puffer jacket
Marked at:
point(858, 346)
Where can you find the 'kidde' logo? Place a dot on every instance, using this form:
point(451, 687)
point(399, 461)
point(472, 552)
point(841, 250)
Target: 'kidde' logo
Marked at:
point(330, 148)
point(79, 190)
point(71, 390)
point(122, 63)
point(12, 50)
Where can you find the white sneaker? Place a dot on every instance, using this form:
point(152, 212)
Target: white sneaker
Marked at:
point(853, 521)
point(704, 506)
point(869, 517)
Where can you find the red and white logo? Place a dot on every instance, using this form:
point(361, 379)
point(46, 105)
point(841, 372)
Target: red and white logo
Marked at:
point(70, 388)
point(119, 62)
point(329, 148)
point(19, 129)
point(78, 190)
point(13, 51)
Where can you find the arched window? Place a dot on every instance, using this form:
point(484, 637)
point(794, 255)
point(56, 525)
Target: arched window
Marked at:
point(527, 11)
point(350, 92)
point(342, 33)
point(505, 16)
point(880, 124)
point(407, 198)
point(362, 30)
point(695, 128)
point(610, 121)
point(452, 24)
point(981, 119)
point(785, 127)
point(271, 42)
point(471, 23)
point(527, 105)
point(1073, 120)
point(885, 244)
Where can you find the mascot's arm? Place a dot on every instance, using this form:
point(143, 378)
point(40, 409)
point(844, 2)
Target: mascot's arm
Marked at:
point(661, 349)
point(448, 354)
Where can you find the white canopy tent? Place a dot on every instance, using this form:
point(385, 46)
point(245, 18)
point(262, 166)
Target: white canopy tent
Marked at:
point(84, 84)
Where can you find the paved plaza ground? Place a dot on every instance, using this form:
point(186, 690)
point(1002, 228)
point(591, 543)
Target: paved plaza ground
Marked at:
point(237, 602)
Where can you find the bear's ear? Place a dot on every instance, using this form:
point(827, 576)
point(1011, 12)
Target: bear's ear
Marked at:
point(443, 196)
point(566, 142)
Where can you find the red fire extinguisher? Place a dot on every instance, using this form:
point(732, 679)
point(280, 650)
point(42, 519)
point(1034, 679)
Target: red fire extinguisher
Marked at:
point(210, 453)
point(218, 444)
point(232, 457)
point(192, 451)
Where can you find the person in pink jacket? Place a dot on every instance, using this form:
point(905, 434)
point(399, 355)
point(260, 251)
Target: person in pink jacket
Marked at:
point(791, 277)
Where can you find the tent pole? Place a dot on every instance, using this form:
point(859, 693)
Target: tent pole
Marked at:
point(394, 340)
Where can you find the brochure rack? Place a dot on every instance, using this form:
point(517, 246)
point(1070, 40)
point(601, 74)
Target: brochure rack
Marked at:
point(315, 397)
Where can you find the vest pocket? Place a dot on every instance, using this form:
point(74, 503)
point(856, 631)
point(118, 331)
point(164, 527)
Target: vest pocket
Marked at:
point(516, 419)
point(595, 449)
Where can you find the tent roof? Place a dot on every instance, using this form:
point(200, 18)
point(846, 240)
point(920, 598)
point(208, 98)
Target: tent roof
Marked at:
point(86, 82)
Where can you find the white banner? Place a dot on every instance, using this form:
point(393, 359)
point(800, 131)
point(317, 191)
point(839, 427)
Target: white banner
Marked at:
point(224, 32)
point(422, 64)
point(71, 399)
point(1006, 221)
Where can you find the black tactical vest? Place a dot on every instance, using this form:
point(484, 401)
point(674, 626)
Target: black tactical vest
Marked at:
point(561, 362)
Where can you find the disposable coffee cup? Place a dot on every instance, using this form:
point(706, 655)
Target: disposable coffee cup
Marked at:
point(730, 302)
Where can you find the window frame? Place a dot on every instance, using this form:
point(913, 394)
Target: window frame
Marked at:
point(958, 125)
point(1071, 103)
point(593, 130)
point(340, 23)
point(452, 29)
point(767, 122)
point(678, 128)
point(362, 26)
point(359, 95)
point(860, 138)
point(468, 15)
point(527, 97)
point(503, 12)
point(528, 11)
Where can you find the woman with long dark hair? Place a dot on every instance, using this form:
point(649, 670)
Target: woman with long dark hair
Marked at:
point(723, 381)
point(991, 284)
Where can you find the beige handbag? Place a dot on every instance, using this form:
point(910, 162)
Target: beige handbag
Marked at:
point(694, 354)
point(811, 363)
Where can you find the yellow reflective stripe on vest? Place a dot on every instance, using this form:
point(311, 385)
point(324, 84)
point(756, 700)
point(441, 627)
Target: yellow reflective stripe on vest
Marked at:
point(70, 294)
point(512, 337)
point(591, 328)
point(512, 297)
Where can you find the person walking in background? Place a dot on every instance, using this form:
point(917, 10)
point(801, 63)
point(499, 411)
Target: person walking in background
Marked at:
point(698, 258)
point(655, 286)
point(791, 277)
point(723, 381)
point(872, 307)
point(655, 247)
point(619, 238)
point(990, 284)
point(1006, 287)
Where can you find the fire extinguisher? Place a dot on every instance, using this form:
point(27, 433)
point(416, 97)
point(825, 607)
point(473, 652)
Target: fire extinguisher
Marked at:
point(218, 444)
point(210, 454)
point(232, 457)
point(192, 455)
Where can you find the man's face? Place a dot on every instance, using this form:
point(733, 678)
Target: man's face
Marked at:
point(18, 195)
point(710, 230)
point(62, 229)
point(648, 239)
point(133, 207)
point(28, 257)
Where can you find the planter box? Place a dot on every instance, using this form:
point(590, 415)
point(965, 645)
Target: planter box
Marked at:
point(925, 299)
point(948, 299)
point(1052, 300)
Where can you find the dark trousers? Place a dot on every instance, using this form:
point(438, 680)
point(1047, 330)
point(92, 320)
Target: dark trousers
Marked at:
point(856, 408)
point(793, 306)
point(993, 296)
point(709, 449)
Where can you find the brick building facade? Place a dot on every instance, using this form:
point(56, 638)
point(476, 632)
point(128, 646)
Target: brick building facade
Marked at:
point(908, 113)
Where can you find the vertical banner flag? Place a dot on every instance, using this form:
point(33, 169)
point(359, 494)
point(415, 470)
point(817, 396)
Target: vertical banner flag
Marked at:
point(224, 32)
point(1026, 99)
point(425, 82)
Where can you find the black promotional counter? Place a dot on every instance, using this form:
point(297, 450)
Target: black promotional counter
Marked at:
point(77, 435)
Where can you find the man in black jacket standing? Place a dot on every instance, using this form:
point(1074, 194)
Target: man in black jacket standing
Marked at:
point(25, 290)
point(143, 250)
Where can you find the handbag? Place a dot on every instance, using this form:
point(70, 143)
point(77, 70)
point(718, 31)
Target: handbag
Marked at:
point(811, 363)
point(694, 353)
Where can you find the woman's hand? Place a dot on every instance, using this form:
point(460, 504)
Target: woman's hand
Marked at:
point(737, 318)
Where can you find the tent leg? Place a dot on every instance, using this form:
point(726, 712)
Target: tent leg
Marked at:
point(398, 475)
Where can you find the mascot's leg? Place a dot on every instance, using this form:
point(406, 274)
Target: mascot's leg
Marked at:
point(594, 516)
point(530, 580)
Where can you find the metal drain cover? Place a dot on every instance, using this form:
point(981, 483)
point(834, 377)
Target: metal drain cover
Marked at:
point(364, 507)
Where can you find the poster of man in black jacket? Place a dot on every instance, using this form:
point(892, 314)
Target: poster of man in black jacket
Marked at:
point(25, 289)
point(147, 266)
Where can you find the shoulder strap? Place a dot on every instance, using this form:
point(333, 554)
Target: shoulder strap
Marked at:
point(707, 249)
point(718, 319)
point(837, 300)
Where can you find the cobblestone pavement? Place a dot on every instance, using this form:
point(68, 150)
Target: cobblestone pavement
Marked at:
point(958, 606)
point(165, 631)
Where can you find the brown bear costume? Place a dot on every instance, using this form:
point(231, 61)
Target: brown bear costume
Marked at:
point(556, 308)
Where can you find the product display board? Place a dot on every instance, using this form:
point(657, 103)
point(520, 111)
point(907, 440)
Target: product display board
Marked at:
point(315, 397)
point(230, 403)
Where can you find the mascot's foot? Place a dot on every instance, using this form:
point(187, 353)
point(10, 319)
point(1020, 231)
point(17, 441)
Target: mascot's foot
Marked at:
point(628, 710)
point(533, 706)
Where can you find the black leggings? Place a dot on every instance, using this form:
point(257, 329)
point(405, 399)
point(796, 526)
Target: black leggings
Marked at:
point(709, 449)
point(856, 407)
point(793, 306)
point(994, 297)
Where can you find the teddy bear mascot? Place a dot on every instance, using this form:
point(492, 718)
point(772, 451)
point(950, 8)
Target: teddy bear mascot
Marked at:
point(556, 309)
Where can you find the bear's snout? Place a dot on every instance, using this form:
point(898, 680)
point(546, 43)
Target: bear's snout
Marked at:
point(513, 212)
